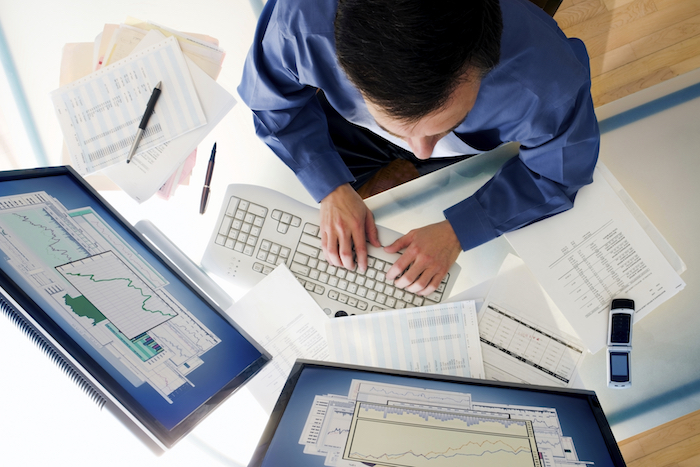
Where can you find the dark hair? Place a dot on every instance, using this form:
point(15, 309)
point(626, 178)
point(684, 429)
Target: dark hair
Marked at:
point(407, 56)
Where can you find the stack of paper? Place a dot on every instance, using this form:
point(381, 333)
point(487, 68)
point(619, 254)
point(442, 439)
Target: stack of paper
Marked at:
point(99, 113)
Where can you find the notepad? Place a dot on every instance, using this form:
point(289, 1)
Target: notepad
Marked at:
point(99, 114)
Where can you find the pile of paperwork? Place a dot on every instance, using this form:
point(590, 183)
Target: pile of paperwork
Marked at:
point(100, 112)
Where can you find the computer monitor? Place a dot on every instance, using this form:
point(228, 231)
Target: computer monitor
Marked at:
point(115, 313)
point(352, 416)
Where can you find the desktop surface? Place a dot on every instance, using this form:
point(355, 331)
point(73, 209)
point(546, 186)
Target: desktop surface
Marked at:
point(653, 157)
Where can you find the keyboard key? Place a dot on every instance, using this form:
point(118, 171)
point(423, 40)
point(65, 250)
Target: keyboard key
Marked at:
point(232, 206)
point(257, 210)
point(282, 228)
point(225, 225)
point(284, 252)
point(435, 296)
point(308, 250)
point(300, 269)
point(265, 245)
point(276, 214)
point(332, 294)
point(312, 229)
point(301, 258)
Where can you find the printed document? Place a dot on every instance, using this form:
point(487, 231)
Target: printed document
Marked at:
point(597, 251)
point(524, 337)
point(99, 114)
point(441, 339)
point(280, 315)
point(149, 170)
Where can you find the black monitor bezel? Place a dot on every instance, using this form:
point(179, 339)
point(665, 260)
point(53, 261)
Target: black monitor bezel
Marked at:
point(79, 360)
point(281, 405)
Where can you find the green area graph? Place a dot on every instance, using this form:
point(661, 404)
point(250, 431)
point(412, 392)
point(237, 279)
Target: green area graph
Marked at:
point(118, 293)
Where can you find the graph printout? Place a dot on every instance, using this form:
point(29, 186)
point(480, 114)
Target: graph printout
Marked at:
point(99, 114)
point(106, 292)
point(404, 426)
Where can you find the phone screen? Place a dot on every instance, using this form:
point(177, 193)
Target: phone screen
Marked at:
point(619, 367)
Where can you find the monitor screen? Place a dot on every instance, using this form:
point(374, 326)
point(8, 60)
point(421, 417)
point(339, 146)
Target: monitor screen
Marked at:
point(352, 416)
point(117, 312)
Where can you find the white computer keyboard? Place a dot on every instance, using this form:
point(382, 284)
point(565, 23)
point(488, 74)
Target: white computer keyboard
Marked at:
point(259, 228)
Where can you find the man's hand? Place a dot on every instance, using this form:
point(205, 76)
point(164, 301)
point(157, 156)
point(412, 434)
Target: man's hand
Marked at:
point(430, 252)
point(346, 221)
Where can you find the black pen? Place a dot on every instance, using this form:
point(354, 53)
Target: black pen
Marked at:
point(207, 181)
point(144, 121)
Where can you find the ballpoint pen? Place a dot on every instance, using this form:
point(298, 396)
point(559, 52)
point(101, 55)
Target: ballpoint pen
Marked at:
point(144, 121)
point(207, 181)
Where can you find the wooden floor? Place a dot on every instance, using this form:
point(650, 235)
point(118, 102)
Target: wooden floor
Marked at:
point(674, 444)
point(633, 44)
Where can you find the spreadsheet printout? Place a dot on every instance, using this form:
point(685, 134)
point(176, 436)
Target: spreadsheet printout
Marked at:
point(441, 339)
point(597, 251)
point(99, 114)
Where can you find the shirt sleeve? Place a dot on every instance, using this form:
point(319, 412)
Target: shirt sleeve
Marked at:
point(286, 113)
point(558, 153)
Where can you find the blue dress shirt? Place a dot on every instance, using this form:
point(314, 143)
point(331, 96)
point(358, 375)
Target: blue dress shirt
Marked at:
point(538, 95)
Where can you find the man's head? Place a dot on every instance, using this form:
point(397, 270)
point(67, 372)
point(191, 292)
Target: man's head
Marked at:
point(414, 60)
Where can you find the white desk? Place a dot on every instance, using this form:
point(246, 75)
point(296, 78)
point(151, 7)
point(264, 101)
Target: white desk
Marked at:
point(47, 420)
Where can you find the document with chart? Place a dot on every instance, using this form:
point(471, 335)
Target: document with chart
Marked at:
point(387, 424)
point(597, 251)
point(107, 292)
